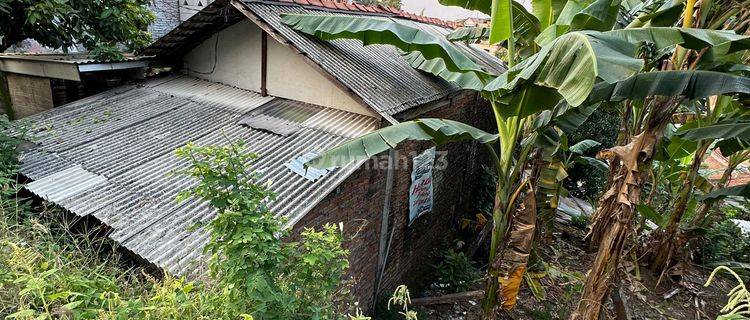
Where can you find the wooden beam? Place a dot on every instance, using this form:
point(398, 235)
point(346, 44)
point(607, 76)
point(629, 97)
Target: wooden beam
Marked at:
point(449, 298)
point(263, 62)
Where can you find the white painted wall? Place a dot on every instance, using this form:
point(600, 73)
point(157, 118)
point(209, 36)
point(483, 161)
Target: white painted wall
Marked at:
point(290, 76)
point(237, 55)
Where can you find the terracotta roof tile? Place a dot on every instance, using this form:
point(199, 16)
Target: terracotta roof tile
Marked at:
point(345, 5)
point(328, 4)
point(340, 5)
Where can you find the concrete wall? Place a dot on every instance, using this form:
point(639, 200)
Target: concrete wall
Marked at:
point(29, 95)
point(291, 77)
point(235, 60)
point(167, 17)
point(358, 203)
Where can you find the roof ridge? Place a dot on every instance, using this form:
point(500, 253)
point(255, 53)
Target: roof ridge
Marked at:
point(375, 10)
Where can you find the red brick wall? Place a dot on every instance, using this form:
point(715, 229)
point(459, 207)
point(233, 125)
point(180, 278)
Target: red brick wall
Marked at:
point(358, 203)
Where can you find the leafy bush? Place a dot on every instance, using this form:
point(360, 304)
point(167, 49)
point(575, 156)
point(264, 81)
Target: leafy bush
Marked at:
point(456, 272)
point(601, 126)
point(580, 221)
point(48, 272)
point(724, 242)
point(264, 275)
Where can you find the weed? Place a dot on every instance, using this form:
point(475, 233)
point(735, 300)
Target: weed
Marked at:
point(455, 272)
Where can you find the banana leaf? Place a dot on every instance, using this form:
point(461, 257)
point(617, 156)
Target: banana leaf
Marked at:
point(721, 130)
point(594, 162)
point(482, 6)
point(665, 15)
point(722, 42)
point(583, 146)
point(731, 146)
point(600, 15)
point(465, 80)
point(736, 191)
point(375, 30)
point(438, 131)
point(692, 84)
point(469, 34)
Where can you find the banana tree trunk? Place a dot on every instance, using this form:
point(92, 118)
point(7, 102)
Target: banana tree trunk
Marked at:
point(617, 206)
point(512, 262)
point(667, 239)
point(596, 232)
point(700, 217)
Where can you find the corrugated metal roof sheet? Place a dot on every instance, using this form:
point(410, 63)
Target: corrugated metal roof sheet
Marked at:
point(117, 168)
point(377, 73)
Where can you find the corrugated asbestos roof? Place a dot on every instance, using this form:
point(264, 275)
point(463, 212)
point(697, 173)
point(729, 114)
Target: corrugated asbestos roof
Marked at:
point(110, 156)
point(376, 73)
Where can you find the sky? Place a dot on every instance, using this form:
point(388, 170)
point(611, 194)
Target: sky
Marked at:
point(433, 9)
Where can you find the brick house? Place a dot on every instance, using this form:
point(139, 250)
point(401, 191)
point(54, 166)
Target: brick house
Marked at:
point(241, 74)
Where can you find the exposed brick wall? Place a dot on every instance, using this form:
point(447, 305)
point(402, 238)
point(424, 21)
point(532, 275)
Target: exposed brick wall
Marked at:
point(167, 17)
point(358, 203)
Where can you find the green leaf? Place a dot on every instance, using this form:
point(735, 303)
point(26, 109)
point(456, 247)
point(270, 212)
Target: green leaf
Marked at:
point(651, 214)
point(722, 42)
point(571, 64)
point(680, 148)
point(729, 147)
point(692, 84)
point(437, 67)
point(596, 163)
point(543, 11)
point(572, 118)
point(375, 30)
point(600, 15)
point(482, 6)
point(438, 131)
point(665, 15)
point(736, 191)
point(527, 101)
point(72, 305)
point(501, 22)
point(721, 130)
point(584, 146)
point(469, 34)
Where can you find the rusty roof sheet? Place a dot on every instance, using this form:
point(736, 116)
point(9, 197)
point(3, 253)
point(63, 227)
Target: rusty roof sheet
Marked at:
point(110, 156)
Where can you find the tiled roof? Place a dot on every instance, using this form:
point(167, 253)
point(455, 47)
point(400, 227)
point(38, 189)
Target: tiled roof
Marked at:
point(377, 9)
point(110, 156)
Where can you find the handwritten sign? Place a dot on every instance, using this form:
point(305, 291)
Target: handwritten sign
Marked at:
point(420, 192)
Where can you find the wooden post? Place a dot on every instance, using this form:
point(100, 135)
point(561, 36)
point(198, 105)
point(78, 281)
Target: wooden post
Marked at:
point(263, 62)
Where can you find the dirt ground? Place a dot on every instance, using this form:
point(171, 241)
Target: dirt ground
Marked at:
point(677, 297)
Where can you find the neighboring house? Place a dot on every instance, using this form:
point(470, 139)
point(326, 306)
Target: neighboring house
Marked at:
point(170, 13)
point(245, 75)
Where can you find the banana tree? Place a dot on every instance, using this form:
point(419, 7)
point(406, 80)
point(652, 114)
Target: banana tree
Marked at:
point(573, 67)
point(721, 119)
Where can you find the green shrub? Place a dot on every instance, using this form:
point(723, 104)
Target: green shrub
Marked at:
point(48, 272)
point(722, 243)
point(264, 275)
point(580, 221)
point(584, 181)
point(456, 272)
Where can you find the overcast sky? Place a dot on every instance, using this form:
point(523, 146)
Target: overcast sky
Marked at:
point(433, 9)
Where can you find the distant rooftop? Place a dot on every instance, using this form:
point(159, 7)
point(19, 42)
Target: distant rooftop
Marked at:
point(65, 66)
